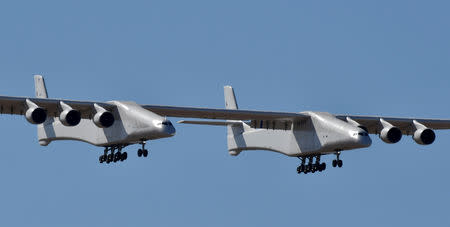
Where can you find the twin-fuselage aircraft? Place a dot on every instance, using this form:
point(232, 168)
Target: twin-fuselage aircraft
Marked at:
point(115, 125)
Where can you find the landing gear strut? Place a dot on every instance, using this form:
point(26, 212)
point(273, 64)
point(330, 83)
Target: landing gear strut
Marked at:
point(311, 167)
point(337, 162)
point(143, 151)
point(113, 156)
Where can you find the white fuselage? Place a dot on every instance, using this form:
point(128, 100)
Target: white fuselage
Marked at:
point(132, 125)
point(321, 134)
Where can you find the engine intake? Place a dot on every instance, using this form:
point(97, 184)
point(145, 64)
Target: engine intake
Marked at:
point(36, 115)
point(104, 119)
point(424, 136)
point(70, 117)
point(391, 134)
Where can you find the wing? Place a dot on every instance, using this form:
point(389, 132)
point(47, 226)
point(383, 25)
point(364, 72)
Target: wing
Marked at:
point(18, 106)
point(406, 125)
point(223, 114)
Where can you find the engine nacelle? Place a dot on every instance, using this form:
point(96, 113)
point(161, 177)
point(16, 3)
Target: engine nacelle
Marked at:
point(391, 134)
point(36, 115)
point(103, 119)
point(70, 117)
point(424, 136)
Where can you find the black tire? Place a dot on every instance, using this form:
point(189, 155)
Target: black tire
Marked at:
point(100, 159)
point(145, 153)
point(339, 163)
point(139, 153)
point(124, 156)
point(323, 166)
point(334, 163)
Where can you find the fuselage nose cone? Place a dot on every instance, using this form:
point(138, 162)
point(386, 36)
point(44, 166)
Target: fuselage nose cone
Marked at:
point(365, 141)
point(169, 129)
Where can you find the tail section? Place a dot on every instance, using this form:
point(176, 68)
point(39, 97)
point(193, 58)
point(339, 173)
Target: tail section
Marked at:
point(234, 131)
point(230, 98)
point(43, 129)
point(39, 85)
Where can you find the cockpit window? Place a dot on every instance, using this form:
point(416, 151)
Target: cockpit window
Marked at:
point(167, 123)
point(363, 134)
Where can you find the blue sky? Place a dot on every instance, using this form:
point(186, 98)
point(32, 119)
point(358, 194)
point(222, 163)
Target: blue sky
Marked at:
point(359, 57)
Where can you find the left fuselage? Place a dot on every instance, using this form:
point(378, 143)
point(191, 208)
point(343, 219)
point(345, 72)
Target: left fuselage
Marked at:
point(132, 124)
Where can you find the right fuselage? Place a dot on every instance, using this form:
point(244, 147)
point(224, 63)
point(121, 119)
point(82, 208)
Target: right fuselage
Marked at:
point(322, 133)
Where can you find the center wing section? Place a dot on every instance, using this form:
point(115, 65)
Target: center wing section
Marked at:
point(223, 114)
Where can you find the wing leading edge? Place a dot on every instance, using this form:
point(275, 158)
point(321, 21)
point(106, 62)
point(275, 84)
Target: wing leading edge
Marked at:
point(18, 105)
point(372, 123)
point(406, 125)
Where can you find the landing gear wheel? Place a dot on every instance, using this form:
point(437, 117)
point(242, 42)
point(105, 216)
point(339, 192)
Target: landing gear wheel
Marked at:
point(100, 159)
point(323, 166)
point(145, 152)
point(124, 156)
point(110, 157)
point(334, 163)
point(117, 156)
point(139, 153)
point(339, 163)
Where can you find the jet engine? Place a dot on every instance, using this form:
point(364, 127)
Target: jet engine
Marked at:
point(424, 136)
point(70, 117)
point(104, 119)
point(36, 115)
point(391, 134)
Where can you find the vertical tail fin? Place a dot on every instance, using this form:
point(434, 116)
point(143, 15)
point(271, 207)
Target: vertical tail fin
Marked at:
point(39, 85)
point(234, 132)
point(230, 98)
point(41, 92)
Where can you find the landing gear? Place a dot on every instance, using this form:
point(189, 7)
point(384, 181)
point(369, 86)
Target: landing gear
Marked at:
point(337, 162)
point(311, 167)
point(113, 156)
point(143, 151)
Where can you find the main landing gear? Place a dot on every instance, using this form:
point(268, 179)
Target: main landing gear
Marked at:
point(337, 162)
point(113, 156)
point(142, 152)
point(311, 167)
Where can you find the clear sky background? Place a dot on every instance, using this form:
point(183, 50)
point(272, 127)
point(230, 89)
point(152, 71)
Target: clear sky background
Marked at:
point(360, 57)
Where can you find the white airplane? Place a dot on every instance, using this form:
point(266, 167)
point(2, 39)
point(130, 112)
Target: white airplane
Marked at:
point(117, 124)
point(112, 125)
point(306, 135)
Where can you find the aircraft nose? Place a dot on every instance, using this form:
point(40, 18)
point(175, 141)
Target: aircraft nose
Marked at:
point(169, 129)
point(365, 141)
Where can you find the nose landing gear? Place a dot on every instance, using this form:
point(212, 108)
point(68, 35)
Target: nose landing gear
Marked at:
point(142, 152)
point(337, 162)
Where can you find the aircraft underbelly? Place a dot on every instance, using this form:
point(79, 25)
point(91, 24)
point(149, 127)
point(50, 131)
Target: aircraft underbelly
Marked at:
point(85, 131)
point(291, 143)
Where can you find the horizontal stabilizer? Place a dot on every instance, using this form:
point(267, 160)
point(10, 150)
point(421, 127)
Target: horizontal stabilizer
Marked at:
point(216, 123)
